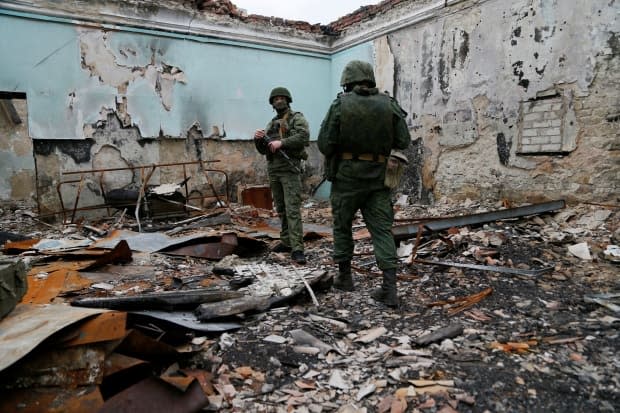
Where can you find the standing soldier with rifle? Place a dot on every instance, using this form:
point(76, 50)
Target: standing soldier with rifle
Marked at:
point(284, 143)
point(359, 137)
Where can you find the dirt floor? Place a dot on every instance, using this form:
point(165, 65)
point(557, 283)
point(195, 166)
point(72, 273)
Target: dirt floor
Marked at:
point(503, 342)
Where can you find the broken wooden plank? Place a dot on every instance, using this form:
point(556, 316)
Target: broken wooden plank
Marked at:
point(169, 300)
point(233, 306)
point(450, 331)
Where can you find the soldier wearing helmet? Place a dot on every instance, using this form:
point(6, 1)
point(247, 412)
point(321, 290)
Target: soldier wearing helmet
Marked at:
point(283, 142)
point(357, 136)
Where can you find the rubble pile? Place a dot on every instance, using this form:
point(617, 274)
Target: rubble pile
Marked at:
point(498, 315)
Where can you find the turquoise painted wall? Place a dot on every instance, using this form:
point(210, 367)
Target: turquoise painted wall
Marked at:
point(72, 74)
point(339, 61)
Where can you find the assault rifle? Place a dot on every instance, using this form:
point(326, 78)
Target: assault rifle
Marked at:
point(282, 152)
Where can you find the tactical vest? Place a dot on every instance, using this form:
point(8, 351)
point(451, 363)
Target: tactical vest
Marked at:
point(366, 123)
point(279, 129)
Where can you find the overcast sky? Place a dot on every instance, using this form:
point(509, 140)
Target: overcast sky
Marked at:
point(311, 11)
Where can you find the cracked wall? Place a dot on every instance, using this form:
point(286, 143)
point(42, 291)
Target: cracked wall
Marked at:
point(128, 97)
point(17, 177)
point(467, 77)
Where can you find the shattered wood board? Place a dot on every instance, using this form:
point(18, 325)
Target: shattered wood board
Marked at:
point(28, 325)
point(276, 280)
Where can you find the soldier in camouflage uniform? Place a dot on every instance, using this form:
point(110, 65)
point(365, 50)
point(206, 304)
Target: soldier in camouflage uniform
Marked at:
point(357, 135)
point(283, 142)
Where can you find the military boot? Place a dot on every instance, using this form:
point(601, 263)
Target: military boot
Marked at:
point(387, 292)
point(344, 280)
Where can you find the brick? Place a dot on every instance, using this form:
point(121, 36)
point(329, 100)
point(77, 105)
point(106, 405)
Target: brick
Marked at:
point(542, 124)
point(544, 107)
point(550, 148)
point(530, 148)
point(552, 115)
point(555, 139)
point(530, 132)
point(549, 131)
point(533, 116)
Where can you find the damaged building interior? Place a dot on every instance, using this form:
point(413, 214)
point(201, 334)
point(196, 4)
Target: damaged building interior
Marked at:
point(137, 268)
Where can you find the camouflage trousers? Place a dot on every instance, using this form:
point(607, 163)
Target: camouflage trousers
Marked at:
point(376, 208)
point(286, 192)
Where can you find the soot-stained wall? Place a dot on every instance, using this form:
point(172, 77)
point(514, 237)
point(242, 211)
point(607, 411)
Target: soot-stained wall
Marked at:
point(511, 99)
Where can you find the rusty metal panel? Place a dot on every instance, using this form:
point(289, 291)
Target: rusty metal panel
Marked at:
point(121, 372)
point(51, 400)
point(257, 196)
point(29, 324)
point(119, 254)
point(155, 395)
point(137, 344)
point(44, 287)
point(104, 327)
point(15, 247)
point(66, 367)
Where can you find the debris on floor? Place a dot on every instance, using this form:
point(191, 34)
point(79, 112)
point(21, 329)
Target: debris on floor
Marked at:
point(502, 309)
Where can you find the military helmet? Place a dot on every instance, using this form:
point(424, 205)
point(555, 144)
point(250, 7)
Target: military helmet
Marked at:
point(358, 71)
point(280, 91)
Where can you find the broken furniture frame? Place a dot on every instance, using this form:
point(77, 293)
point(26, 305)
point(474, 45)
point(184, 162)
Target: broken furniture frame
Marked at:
point(146, 172)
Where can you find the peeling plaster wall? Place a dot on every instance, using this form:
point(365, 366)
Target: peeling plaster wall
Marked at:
point(467, 76)
point(161, 85)
point(98, 96)
point(17, 178)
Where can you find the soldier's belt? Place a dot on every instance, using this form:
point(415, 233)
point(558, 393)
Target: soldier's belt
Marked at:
point(363, 156)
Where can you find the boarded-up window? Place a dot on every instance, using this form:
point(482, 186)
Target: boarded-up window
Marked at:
point(545, 127)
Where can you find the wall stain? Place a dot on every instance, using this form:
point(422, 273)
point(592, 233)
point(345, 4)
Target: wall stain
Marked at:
point(517, 70)
point(464, 49)
point(538, 33)
point(503, 149)
point(444, 75)
point(614, 44)
point(77, 149)
point(427, 70)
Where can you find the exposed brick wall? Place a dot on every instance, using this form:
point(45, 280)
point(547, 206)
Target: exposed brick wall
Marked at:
point(364, 13)
point(542, 122)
